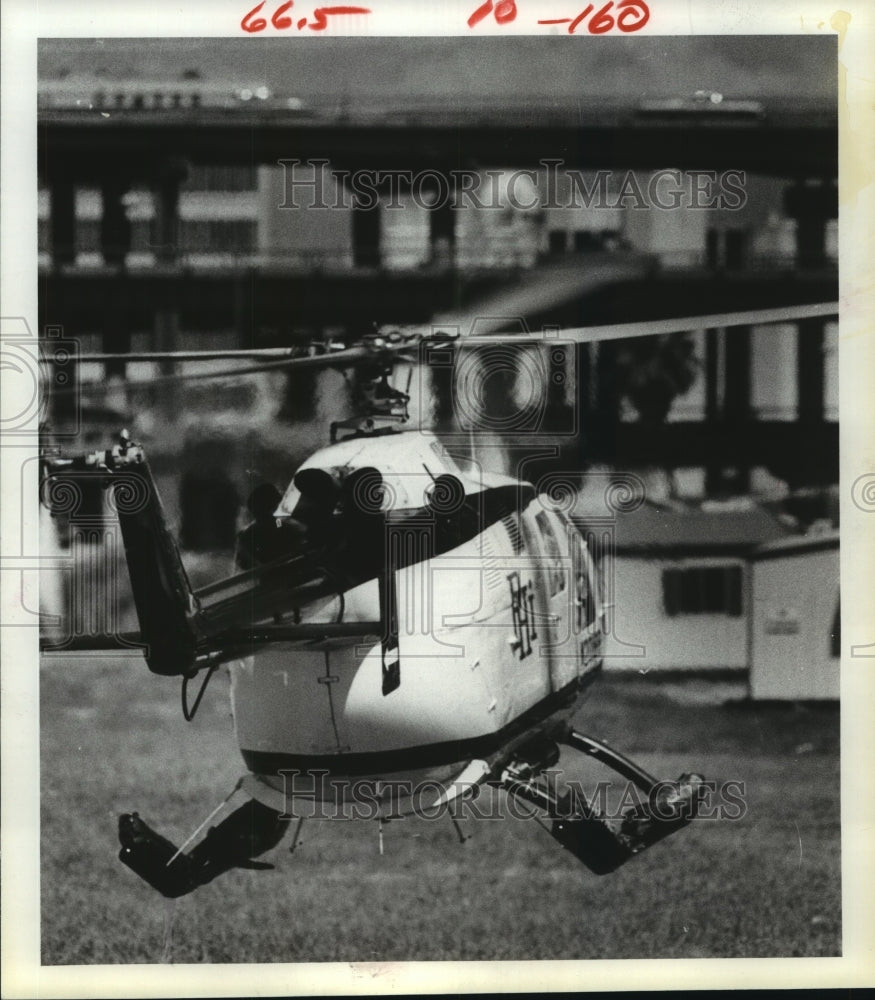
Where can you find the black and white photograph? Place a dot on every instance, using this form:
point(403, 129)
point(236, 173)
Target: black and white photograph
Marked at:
point(439, 497)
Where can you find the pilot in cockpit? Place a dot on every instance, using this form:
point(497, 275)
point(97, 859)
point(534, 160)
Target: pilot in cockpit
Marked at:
point(309, 526)
point(338, 517)
point(259, 542)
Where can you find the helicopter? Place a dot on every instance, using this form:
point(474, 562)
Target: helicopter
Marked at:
point(402, 631)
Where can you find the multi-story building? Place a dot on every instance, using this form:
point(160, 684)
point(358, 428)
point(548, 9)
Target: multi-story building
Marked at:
point(198, 249)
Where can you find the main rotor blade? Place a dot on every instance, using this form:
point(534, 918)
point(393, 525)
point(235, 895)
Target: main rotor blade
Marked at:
point(352, 355)
point(660, 327)
point(546, 287)
point(279, 354)
point(229, 355)
point(341, 359)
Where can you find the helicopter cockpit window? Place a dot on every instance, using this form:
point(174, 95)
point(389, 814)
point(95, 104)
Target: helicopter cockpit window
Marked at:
point(348, 520)
point(511, 522)
point(551, 545)
point(263, 540)
point(584, 598)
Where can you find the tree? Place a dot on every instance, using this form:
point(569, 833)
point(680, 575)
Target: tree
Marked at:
point(651, 373)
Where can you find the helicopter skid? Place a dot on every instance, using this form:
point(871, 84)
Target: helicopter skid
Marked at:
point(601, 843)
point(250, 830)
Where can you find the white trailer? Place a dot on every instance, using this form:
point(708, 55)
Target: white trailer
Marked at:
point(795, 621)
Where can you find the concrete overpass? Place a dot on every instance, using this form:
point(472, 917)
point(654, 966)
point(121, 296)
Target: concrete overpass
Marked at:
point(791, 141)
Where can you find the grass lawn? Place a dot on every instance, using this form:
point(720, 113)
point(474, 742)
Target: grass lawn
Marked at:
point(113, 740)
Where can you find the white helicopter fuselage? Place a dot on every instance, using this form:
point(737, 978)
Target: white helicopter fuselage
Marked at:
point(491, 641)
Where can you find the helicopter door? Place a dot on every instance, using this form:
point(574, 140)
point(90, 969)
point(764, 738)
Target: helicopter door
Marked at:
point(551, 595)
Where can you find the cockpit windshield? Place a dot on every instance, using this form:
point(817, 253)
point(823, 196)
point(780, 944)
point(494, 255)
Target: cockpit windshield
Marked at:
point(345, 527)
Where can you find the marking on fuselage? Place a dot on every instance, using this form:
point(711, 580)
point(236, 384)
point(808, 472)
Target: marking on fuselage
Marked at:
point(522, 609)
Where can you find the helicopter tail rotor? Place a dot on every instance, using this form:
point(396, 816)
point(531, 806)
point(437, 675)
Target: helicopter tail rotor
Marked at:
point(167, 608)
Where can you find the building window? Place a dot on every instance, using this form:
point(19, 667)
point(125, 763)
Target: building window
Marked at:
point(88, 235)
point(219, 235)
point(586, 241)
point(584, 598)
point(221, 177)
point(142, 236)
point(702, 590)
point(726, 248)
point(557, 241)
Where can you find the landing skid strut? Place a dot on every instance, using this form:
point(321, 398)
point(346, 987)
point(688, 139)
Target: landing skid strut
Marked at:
point(600, 842)
point(234, 843)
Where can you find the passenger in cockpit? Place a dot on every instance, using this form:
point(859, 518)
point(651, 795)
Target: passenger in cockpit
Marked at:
point(261, 541)
point(314, 511)
point(266, 540)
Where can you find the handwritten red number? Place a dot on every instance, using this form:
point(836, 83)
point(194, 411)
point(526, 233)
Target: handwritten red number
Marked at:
point(321, 15)
point(504, 10)
point(630, 10)
point(579, 18)
point(631, 15)
point(252, 24)
point(480, 13)
point(601, 21)
point(278, 21)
